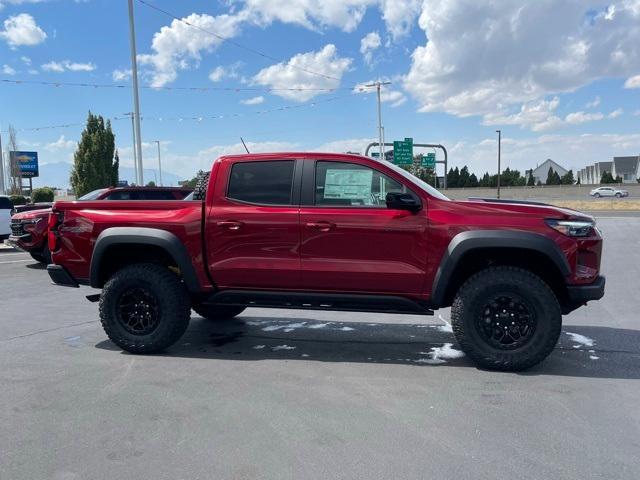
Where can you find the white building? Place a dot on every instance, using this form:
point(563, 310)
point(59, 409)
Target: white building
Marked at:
point(541, 172)
point(626, 168)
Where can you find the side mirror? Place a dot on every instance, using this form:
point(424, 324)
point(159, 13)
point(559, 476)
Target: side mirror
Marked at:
point(403, 201)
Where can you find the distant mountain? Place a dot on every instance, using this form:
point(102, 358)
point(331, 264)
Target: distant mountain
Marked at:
point(57, 175)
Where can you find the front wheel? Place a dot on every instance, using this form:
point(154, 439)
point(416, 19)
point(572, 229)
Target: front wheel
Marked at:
point(597, 195)
point(144, 308)
point(618, 195)
point(217, 312)
point(506, 318)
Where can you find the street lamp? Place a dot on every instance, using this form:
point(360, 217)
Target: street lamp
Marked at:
point(136, 101)
point(499, 132)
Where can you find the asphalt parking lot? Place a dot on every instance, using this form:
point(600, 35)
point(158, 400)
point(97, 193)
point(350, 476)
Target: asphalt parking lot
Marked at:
point(284, 394)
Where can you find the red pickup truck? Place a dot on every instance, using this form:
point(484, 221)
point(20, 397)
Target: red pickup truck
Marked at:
point(330, 232)
point(29, 226)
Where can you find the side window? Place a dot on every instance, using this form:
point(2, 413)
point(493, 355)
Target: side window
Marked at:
point(119, 195)
point(156, 195)
point(5, 204)
point(265, 183)
point(352, 185)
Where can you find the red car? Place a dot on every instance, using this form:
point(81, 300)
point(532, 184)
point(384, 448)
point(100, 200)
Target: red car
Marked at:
point(29, 227)
point(331, 232)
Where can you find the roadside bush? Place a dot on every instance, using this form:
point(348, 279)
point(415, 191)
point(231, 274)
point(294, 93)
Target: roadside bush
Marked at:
point(18, 200)
point(44, 194)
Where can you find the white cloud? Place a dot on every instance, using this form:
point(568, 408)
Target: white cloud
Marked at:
point(22, 30)
point(536, 115)
point(253, 100)
point(26, 60)
point(60, 144)
point(67, 65)
point(636, 113)
point(632, 82)
point(217, 74)
point(483, 56)
point(369, 43)
point(400, 15)
point(593, 103)
point(357, 145)
point(121, 75)
point(582, 117)
point(616, 113)
point(180, 46)
point(8, 70)
point(296, 73)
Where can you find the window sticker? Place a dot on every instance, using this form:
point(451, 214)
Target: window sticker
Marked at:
point(348, 184)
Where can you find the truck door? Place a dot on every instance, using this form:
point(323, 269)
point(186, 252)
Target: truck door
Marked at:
point(351, 241)
point(253, 229)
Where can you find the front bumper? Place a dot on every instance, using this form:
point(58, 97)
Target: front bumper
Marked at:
point(581, 294)
point(15, 242)
point(61, 276)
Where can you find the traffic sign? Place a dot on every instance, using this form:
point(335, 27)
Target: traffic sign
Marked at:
point(429, 160)
point(403, 152)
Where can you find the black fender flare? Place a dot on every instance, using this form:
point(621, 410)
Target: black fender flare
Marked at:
point(143, 236)
point(465, 242)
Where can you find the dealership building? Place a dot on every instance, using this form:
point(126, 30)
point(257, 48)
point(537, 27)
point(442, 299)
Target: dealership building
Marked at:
point(627, 168)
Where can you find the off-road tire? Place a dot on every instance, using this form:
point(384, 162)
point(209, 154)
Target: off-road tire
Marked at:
point(217, 312)
point(472, 296)
point(202, 182)
point(46, 254)
point(172, 301)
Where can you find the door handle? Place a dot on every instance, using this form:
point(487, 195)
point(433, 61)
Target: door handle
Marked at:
point(230, 224)
point(320, 226)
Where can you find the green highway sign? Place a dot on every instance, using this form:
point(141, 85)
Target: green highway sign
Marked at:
point(429, 160)
point(403, 152)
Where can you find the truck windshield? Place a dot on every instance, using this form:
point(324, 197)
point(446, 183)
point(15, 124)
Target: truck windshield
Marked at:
point(93, 195)
point(421, 183)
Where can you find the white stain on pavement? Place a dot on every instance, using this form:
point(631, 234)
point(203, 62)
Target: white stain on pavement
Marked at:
point(282, 347)
point(581, 340)
point(440, 355)
point(446, 327)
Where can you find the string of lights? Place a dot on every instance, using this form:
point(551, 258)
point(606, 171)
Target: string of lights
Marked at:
point(197, 118)
point(233, 42)
point(359, 88)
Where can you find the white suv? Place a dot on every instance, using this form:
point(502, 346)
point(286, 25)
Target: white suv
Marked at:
point(5, 217)
point(608, 192)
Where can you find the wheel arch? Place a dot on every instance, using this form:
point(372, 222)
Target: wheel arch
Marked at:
point(118, 246)
point(470, 251)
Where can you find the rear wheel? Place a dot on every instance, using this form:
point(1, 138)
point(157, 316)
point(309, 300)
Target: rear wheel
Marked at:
point(217, 312)
point(506, 318)
point(37, 256)
point(144, 308)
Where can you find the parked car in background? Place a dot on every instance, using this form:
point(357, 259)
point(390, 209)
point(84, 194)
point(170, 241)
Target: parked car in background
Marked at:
point(5, 217)
point(29, 228)
point(330, 232)
point(30, 206)
point(608, 192)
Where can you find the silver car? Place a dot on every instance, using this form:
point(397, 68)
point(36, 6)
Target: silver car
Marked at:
point(608, 192)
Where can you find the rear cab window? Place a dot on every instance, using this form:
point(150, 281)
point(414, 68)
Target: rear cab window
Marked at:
point(267, 182)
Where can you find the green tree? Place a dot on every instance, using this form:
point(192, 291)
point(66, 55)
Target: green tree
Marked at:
point(94, 163)
point(550, 177)
point(473, 180)
point(530, 180)
point(567, 178)
point(151, 184)
point(44, 194)
point(463, 179)
point(453, 178)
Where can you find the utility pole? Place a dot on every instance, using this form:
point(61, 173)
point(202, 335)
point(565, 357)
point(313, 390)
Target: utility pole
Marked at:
point(159, 163)
point(136, 100)
point(499, 132)
point(133, 136)
point(378, 86)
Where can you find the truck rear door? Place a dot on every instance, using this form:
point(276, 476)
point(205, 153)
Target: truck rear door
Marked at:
point(253, 229)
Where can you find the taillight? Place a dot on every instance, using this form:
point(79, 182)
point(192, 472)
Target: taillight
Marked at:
point(55, 219)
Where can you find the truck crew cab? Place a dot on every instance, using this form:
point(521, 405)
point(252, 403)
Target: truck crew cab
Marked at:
point(330, 232)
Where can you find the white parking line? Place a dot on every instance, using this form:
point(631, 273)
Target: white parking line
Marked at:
point(17, 261)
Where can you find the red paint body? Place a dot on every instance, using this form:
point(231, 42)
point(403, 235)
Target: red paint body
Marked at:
point(315, 249)
point(35, 221)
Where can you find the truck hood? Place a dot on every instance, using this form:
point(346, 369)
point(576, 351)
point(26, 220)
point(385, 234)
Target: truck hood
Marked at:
point(522, 207)
point(32, 214)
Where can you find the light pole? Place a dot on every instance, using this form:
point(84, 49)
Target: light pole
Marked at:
point(136, 100)
point(499, 132)
point(159, 163)
point(133, 136)
point(2, 187)
point(378, 86)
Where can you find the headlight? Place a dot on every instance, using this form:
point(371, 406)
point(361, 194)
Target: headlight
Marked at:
point(572, 228)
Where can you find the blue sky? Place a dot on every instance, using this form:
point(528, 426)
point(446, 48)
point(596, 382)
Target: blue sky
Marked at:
point(561, 79)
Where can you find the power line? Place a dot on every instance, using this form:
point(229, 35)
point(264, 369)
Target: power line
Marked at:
point(233, 42)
